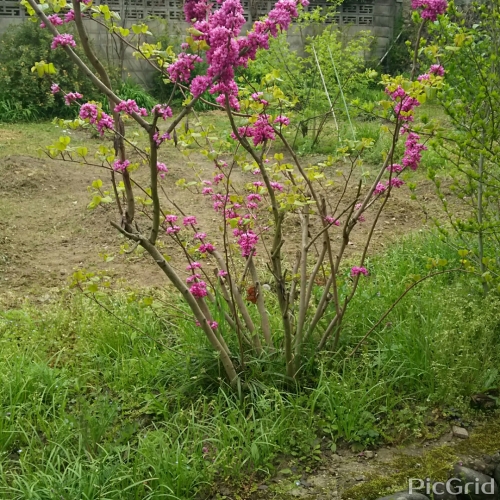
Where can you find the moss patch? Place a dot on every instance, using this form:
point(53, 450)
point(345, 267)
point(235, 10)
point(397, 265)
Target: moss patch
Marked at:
point(484, 439)
point(434, 463)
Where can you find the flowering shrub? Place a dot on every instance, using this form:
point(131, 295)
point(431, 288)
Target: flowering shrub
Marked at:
point(253, 217)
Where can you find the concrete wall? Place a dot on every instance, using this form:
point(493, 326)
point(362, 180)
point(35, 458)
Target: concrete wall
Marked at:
point(377, 16)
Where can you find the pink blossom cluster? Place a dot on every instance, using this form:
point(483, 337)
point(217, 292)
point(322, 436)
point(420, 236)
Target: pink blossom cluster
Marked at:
point(190, 219)
point(180, 70)
point(260, 131)
point(206, 248)
point(221, 30)
point(247, 240)
point(105, 122)
point(162, 169)
point(257, 96)
point(395, 167)
point(405, 104)
point(282, 120)
point(90, 112)
point(331, 220)
point(381, 187)
point(356, 271)
point(276, 186)
point(430, 8)
point(54, 88)
point(159, 139)
point(435, 69)
point(72, 97)
point(361, 218)
point(199, 289)
point(130, 106)
point(54, 19)
point(69, 16)
point(120, 166)
point(162, 110)
point(413, 151)
point(62, 41)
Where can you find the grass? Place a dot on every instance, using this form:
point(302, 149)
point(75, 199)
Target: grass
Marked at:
point(91, 408)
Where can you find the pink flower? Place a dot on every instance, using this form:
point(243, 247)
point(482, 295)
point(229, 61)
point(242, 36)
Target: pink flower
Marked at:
point(89, 111)
point(199, 289)
point(206, 248)
point(171, 218)
point(222, 273)
point(180, 70)
point(396, 182)
point(379, 189)
point(162, 110)
point(54, 88)
point(356, 271)
point(207, 190)
point(193, 278)
point(214, 325)
point(55, 20)
point(200, 236)
point(277, 186)
point(173, 229)
point(105, 122)
point(63, 41)
point(254, 197)
point(200, 84)
point(191, 219)
point(361, 218)
point(193, 265)
point(283, 120)
point(247, 242)
point(252, 206)
point(436, 69)
point(430, 8)
point(395, 167)
point(331, 220)
point(162, 169)
point(423, 77)
point(120, 166)
point(159, 139)
point(129, 106)
point(218, 178)
point(413, 151)
point(258, 184)
point(71, 97)
point(69, 16)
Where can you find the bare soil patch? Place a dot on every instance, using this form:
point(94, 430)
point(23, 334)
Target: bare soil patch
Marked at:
point(46, 231)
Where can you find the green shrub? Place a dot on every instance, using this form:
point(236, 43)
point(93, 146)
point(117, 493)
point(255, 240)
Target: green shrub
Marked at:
point(23, 95)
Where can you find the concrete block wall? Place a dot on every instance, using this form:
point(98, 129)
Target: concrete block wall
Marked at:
point(377, 16)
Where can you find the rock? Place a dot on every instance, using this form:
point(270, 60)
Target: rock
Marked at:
point(473, 484)
point(360, 478)
point(404, 495)
point(496, 474)
point(460, 432)
point(298, 493)
point(442, 494)
point(262, 487)
point(369, 454)
point(496, 458)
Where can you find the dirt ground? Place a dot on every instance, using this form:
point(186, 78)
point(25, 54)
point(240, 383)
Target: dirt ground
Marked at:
point(46, 231)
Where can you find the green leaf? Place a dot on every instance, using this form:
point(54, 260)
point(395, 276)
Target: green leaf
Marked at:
point(97, 184)
point(82, 151)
